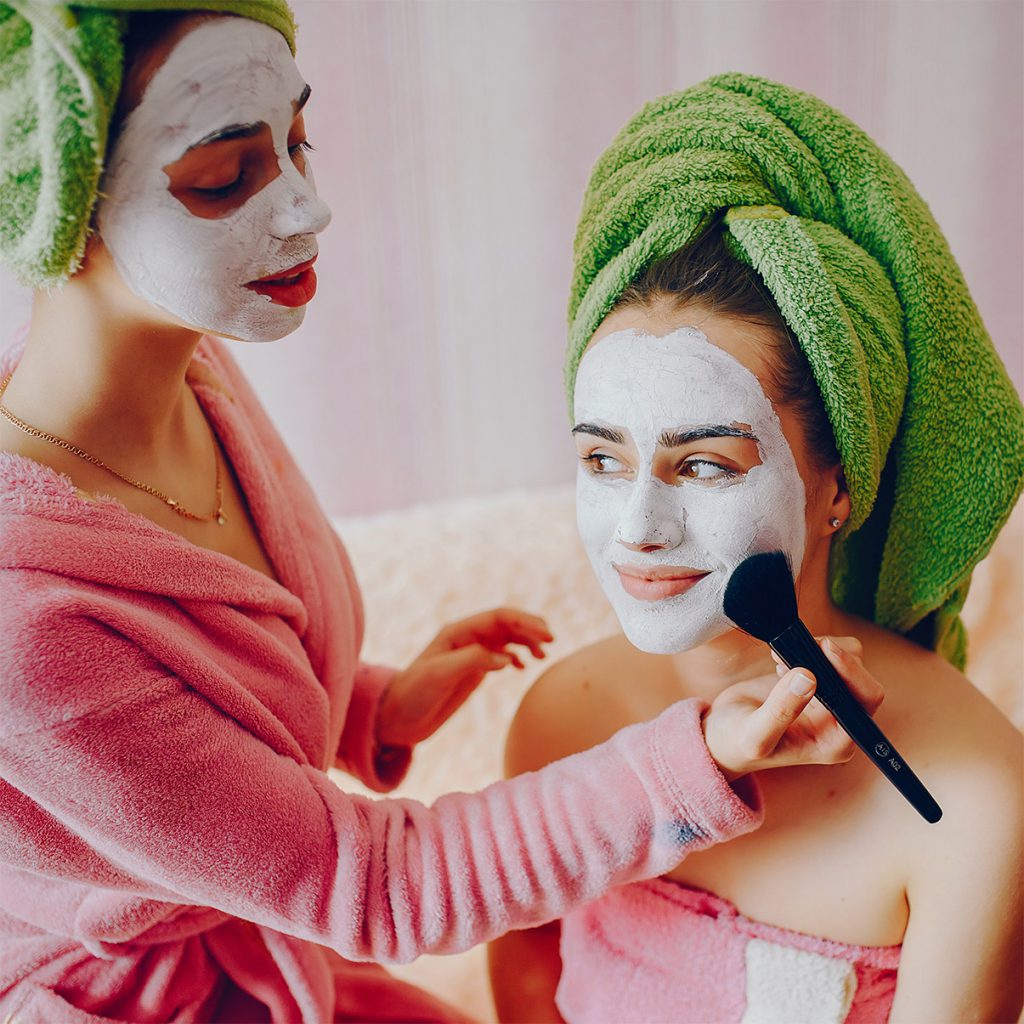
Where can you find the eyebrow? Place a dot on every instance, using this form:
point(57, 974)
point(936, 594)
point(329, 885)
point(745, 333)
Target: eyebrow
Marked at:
point(615, 436)
point(232, 131)
point(678, 438)
point(246, 131)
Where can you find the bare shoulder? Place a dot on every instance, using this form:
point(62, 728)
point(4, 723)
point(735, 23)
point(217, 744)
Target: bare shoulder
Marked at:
point(936, 702)
point(962, 746)
point(578, 702)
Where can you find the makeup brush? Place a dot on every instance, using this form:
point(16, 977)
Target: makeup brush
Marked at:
point(761, 600)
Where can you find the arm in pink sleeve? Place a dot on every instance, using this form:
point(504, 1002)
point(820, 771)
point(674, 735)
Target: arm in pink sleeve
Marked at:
point(379, 767)
point(168, 790)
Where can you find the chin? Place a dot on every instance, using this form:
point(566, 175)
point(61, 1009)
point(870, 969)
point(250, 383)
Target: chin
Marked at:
point(262, 329)
point(658, 640)
point(288, 324)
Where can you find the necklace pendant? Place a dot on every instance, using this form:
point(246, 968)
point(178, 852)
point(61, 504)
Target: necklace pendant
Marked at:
point(175, 506)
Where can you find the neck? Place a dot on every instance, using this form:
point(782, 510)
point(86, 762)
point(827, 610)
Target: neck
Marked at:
point(100, 375)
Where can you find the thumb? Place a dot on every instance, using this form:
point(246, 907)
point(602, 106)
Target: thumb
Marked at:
point(782, 707)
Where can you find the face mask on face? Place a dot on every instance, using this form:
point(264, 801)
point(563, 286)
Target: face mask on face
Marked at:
point(663, 551)
point(228, 74)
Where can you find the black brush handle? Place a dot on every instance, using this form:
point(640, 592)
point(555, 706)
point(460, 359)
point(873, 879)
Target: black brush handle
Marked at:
point(797, 648)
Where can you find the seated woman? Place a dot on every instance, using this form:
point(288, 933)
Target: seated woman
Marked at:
point(807, 376)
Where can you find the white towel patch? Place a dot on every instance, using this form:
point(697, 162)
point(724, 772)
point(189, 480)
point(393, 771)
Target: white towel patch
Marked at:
point(789, 986)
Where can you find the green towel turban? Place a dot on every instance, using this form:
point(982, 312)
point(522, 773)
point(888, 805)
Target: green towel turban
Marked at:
point(60, 75)
point(927, 424)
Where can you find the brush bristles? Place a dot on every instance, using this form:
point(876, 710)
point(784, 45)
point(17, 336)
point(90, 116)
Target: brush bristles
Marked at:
point(760, 597)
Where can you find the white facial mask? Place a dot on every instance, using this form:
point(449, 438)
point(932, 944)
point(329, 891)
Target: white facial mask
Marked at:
point(226, 72)
point(642, 386)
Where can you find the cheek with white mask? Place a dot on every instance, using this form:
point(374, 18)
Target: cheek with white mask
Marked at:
point(225, 72)
point(663, 551)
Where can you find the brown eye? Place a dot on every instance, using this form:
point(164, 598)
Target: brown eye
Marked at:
point(706, 471)
point(600, 464)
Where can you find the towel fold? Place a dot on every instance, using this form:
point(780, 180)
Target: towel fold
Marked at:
point(928, 426)
point(60, 76)
point(658, 951)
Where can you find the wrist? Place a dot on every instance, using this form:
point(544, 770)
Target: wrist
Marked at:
point(728, 774)
point(390, 755)
point(386, 717)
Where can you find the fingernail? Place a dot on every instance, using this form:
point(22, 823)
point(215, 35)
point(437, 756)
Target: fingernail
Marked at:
point(781, 670)
point(801, 685)
point(833, 647)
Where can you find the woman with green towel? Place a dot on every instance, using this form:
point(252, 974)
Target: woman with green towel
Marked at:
point(771, 347)
point(179, 625)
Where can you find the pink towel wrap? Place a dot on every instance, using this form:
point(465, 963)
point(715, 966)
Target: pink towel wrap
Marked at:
point(171, 846)
point(657, 951)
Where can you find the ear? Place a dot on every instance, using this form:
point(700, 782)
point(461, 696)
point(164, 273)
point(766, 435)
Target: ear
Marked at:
point(835, 500)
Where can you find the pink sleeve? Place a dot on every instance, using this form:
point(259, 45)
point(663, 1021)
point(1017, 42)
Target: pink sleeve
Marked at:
point(171, 796)
point(379, 767)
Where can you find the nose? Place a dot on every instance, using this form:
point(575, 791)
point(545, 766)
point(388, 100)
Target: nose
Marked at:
point(301, 211)
point(651, 520)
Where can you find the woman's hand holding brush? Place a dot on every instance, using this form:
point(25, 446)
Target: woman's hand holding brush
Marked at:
point(771, 722)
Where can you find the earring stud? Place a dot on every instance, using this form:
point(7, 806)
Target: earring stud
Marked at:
point(835, 522)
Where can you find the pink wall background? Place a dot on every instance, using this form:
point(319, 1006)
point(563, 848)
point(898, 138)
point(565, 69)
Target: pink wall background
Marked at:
point(454, 141)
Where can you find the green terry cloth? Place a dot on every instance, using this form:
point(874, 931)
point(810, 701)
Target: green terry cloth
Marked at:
point(60, 75)
point(928, 426)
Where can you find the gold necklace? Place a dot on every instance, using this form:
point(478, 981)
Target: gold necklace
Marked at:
point(217, 514)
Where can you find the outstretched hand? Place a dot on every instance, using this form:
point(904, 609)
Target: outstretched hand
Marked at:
point(770, 723)
point(424, 696)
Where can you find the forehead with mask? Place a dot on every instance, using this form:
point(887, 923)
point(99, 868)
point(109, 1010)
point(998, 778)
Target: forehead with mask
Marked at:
point(684, 471)
point(209, 208)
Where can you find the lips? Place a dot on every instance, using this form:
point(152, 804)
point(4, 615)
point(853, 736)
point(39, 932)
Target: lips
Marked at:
point(292, 287)
point(655, 583)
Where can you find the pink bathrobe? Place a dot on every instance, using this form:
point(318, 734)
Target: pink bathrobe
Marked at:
point(171, 846)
